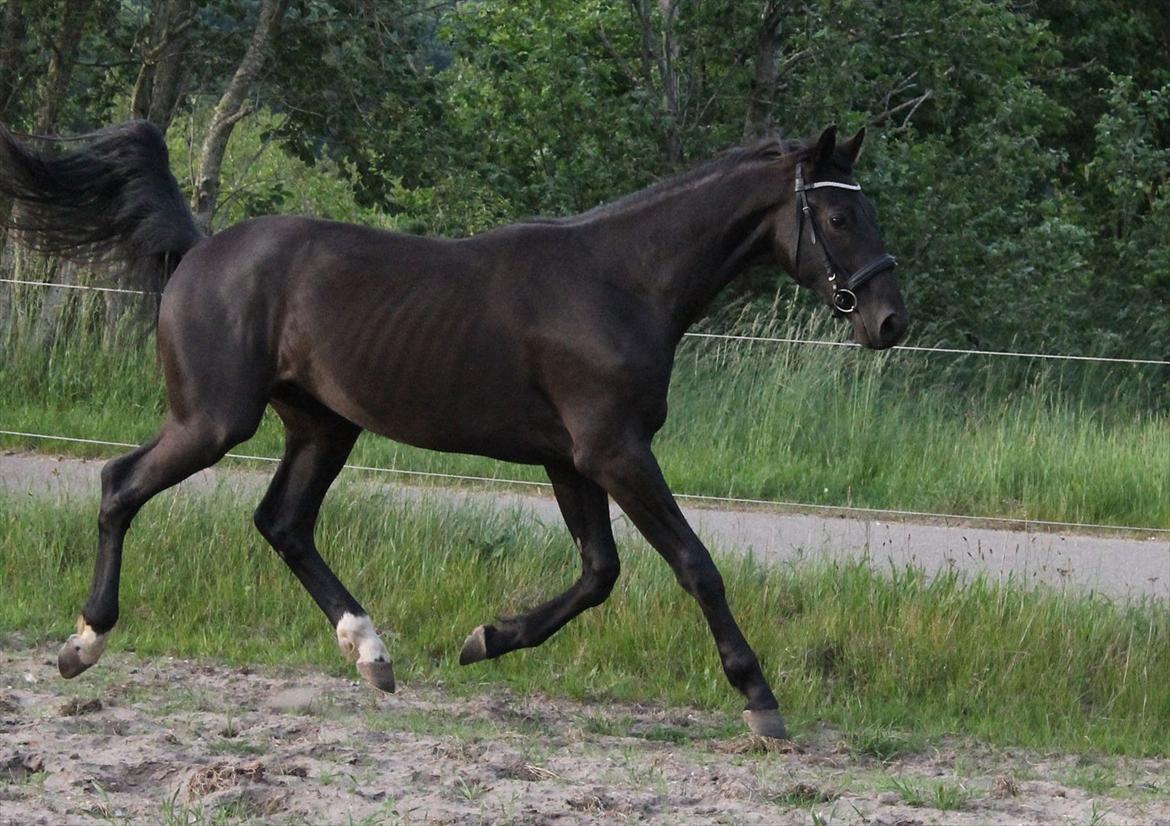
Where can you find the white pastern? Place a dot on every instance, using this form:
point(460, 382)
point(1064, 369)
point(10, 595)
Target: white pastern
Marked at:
point(88, 643)
point(356, 635)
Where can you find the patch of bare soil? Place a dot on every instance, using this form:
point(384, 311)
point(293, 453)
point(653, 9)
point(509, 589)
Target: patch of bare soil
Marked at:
point(172, 741)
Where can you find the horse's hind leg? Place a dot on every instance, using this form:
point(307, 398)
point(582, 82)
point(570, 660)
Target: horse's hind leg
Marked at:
point(317, 442)
point(585, 507)
point(181, 448)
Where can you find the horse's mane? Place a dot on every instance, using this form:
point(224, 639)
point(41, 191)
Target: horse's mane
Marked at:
point(766, 149)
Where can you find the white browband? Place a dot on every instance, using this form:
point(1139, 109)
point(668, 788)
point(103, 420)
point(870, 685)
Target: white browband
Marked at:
point(819, 184)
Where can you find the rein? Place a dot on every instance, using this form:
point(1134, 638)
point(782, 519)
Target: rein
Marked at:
point(844, 289)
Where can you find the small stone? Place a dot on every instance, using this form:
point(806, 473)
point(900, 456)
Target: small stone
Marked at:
point(889, 798)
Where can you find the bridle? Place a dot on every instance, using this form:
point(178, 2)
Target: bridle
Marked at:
point(844, 289)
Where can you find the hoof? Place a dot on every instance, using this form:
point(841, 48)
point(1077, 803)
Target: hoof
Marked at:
point(69, 661)
point(378, 674)
point(475, 647)
point(766, 723)
point(81, 650)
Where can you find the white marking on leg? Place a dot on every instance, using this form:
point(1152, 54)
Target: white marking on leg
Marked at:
point(88, 643)
point(356, 634)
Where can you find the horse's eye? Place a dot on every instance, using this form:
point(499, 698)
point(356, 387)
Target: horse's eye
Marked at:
point(837, 220)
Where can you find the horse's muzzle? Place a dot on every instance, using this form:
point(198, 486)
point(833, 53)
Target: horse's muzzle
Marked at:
point(890, 330)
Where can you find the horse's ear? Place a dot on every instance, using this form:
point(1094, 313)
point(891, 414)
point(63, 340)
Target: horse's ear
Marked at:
point(852, 146)
point(826, 145)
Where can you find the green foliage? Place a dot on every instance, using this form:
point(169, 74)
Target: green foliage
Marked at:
point(1128, 183)
point(540, 115)
point(355, 83)
point(1017, 151)
point(261, 178)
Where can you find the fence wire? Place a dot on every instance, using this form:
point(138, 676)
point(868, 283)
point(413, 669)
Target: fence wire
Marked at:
point(905, 348)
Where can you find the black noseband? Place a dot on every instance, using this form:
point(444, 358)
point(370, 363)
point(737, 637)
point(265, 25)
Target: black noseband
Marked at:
point(844, 295)
point(844, 298)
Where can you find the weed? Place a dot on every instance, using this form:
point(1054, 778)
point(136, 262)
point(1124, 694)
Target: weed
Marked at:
point(1094, 778)
point(881, 742)
point(241, 748)
point(667, 734)
point(801, 794)
point(471, 790)
point(950, 797)
point(822, 819)
point(935, 794)
point(1097, 814)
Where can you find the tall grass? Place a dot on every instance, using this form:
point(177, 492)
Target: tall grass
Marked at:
point(903, 430)
point(834, 426)
point(867, 651)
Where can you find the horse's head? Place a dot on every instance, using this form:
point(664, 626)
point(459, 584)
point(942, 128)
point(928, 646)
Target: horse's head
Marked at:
point(830, 242)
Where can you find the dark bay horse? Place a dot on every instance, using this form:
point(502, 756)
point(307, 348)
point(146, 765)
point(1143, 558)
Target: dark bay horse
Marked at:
point(549, 342)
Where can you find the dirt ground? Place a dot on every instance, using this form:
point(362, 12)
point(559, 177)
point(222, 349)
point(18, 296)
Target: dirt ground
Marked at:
point(175, 741)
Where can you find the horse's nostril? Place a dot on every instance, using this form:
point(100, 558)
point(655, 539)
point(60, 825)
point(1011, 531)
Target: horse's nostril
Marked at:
point(893, 328)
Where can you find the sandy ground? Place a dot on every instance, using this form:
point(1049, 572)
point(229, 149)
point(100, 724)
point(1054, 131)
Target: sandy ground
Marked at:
point(175, 741)
point(1122, 567)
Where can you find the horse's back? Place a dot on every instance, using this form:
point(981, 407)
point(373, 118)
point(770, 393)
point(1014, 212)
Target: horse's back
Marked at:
point(279, 253)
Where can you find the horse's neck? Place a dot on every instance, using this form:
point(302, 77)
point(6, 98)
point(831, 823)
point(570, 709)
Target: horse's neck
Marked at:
point(682, 248)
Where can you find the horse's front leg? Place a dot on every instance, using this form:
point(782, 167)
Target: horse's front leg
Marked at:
point(629, 472)
point(585, 508)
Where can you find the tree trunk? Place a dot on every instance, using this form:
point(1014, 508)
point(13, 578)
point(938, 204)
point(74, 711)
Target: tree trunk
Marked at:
point(758, 121)
point(671, 101)
point(659, 54)
point(164, 63)
point(230, 110)
point(61, 63)
point(11, 68)
point(55, 304)
point(53, 89)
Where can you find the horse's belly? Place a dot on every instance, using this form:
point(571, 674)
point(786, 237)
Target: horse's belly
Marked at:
point(437, 363)
point(499, 419)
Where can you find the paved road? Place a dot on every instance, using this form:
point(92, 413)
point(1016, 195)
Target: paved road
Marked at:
point(1116, 567)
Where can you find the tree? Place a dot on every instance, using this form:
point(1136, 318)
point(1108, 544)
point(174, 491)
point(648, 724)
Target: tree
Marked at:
point(165, 52)
point(1014, 150)
point(62, 56)
point(765, 70)
point(12, 58)
point(230, 109)
point(372, 103)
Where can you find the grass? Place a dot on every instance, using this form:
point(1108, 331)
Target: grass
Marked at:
point(882, 743)
point(1094, 778)
point(874, 654)
point(934, 794)
point(817, 425)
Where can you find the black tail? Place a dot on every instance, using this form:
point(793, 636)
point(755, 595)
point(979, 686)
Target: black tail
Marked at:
point(112, 199)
